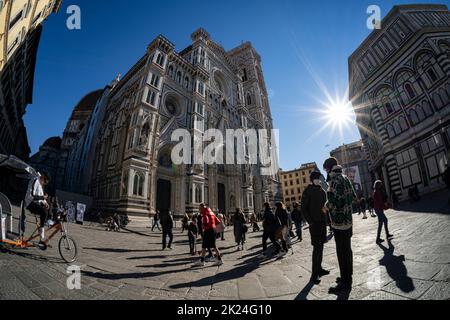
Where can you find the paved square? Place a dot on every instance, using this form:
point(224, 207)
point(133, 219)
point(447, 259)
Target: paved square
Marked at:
point(131, 265)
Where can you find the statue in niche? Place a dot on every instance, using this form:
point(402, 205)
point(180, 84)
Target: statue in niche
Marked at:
point(145, 132)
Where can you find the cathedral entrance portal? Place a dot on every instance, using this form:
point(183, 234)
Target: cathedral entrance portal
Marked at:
point(221, 198)
point(163, 195)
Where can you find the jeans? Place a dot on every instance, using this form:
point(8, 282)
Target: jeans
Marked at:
point(167, 233)
point(271, 236)
point(156, 224)
point(344, 252)
point(382, 220)
point(298, 226)
point(192, 243)
point(318, 232)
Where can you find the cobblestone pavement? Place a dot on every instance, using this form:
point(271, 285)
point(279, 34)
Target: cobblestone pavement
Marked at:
point(131, 265)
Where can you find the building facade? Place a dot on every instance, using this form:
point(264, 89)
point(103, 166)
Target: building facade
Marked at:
point(202, 87)
point(20, 31)
point(294, 182)
point(353, 159)
point(400, 89)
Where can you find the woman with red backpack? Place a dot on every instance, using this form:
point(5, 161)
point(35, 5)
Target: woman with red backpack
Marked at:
point(209, 223)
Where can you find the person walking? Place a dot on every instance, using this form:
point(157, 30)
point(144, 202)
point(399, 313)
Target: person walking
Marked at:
point(254, 222)
point(156, 218)
point(370, 207)
point(270, 225)
point(341, 197)
point(167, 230)
point(239, 228)
point(200, 224)
point(220, 229)
point(282, 214)
point(297, 218)
point(209, 223)
point(380, 203)
point(184, 222)
point(192, 235)
point(313, 208)
point(363, 207)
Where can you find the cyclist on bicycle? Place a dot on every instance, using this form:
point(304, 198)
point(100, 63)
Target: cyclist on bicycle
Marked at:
point(36, 200)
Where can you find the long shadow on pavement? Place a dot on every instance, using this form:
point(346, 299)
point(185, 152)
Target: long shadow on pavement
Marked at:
point(396, 268)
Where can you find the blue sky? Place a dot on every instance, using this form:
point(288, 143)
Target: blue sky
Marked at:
point(299, 42)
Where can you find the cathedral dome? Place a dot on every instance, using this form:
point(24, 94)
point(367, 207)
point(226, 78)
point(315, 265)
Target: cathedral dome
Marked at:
point(89, 101)
point(53, 142)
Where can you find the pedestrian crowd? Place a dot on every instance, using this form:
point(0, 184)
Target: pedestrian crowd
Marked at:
point(322, 205)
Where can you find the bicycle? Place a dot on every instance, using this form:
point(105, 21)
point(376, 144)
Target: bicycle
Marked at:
point(67, 246)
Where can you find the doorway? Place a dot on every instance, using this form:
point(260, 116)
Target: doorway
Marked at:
point(163, 195)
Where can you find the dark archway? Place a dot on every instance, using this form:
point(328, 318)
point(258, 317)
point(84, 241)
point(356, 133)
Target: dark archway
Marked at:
point(221, 198)
point(163, 195)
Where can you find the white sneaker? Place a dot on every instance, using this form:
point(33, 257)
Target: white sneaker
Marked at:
point(211, 259)
point(199, 264)
point(50, 223)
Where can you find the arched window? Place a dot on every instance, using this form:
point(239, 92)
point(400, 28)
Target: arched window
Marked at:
point(397, 128)
point(138, 184)
point(179, 77)
point(186, 82)
point(386, 101)
point(425, 67)
point(390, 131)
point(438, 101)
point(414, 117)
point(409, 89)
point(171, 71)
point(406, 86)
point(249, 99)
point(403, 123)
point(420, 113)
point(427, 108)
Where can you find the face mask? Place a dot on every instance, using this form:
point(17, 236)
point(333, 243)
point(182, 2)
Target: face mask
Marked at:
point(316, 182)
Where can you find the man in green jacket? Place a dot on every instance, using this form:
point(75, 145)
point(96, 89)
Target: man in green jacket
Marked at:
point(314, 212)
point(341, 196)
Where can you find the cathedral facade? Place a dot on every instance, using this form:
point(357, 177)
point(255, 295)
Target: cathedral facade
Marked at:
point(202, 87)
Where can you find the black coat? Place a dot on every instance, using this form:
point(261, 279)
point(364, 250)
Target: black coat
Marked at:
point(283, 215)
point(296, 216)
point(271, 222)
point(313, 201)
point(167, 221)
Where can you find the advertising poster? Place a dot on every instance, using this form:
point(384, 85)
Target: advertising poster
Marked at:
point(81, 209)
point(353, 174)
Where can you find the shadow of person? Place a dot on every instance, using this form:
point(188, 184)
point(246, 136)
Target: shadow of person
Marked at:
point(396, 268)
point(303, 295)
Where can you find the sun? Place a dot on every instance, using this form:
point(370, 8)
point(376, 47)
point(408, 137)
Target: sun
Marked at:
point(338, 113)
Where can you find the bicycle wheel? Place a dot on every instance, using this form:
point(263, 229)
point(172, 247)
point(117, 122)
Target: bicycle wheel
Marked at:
point(68, 249)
